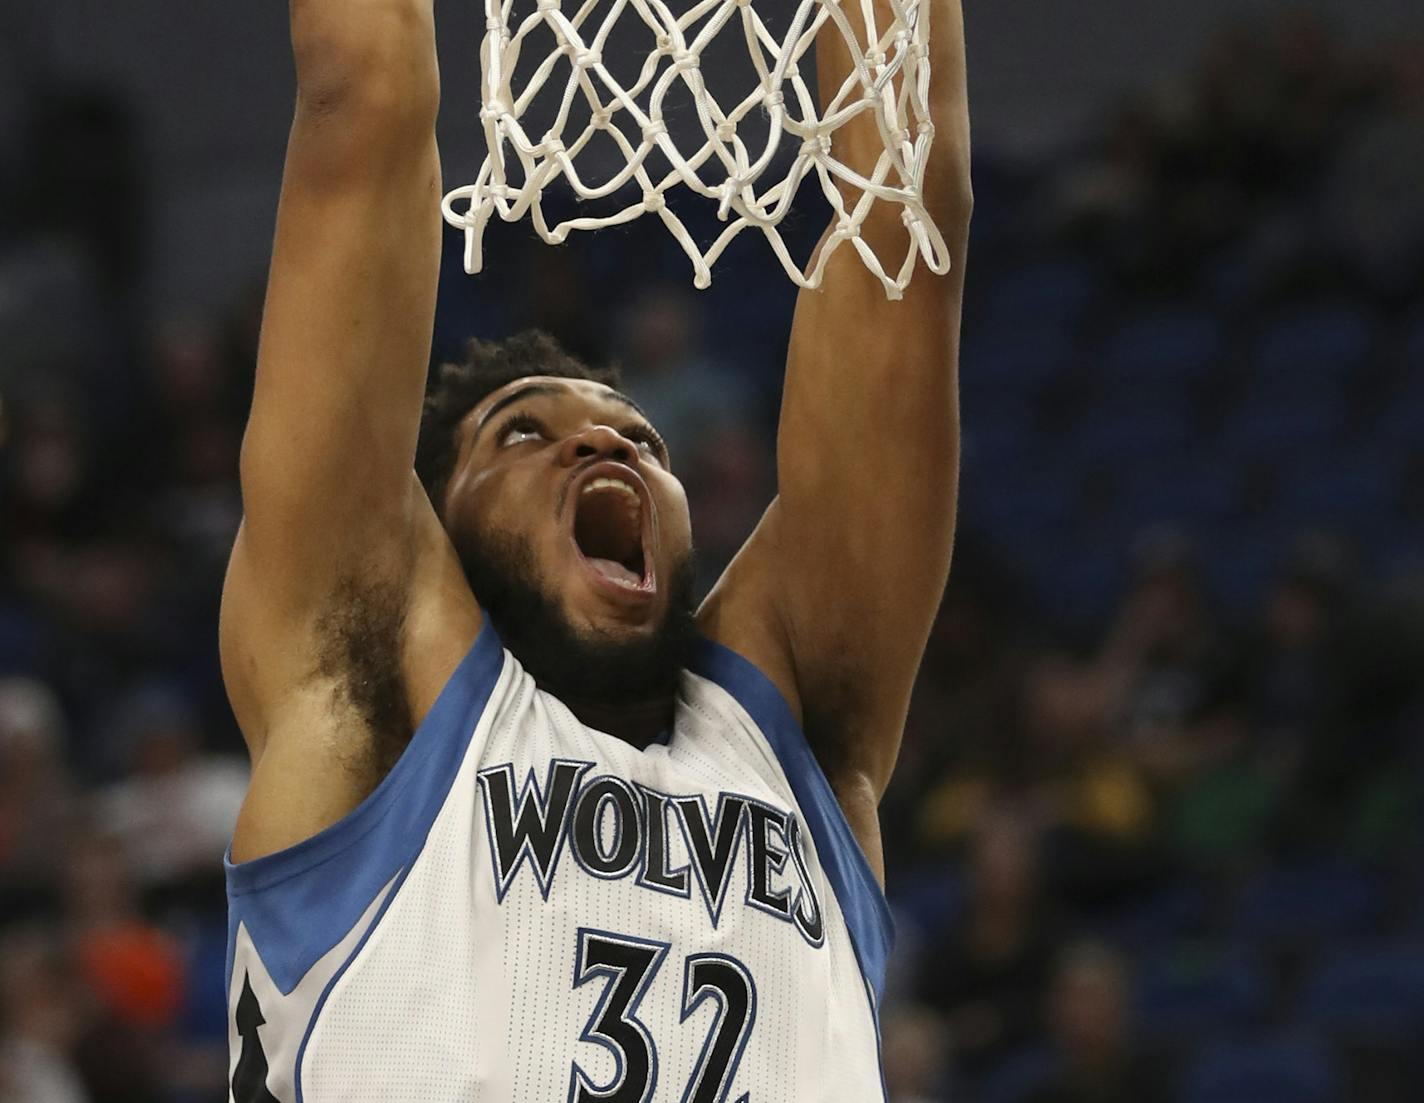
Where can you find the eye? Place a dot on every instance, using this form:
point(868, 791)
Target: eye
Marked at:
point(519, 429)
point(647, 440)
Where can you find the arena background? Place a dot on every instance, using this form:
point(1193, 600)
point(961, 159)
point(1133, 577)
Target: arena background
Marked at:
point(1155, 835)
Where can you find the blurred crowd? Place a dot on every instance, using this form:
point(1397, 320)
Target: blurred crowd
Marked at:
point(1155, 834)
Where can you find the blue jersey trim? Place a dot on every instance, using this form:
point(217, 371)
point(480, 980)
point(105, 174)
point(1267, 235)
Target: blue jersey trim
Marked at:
point(862, 901)
point(300, 902)
point(330, 984)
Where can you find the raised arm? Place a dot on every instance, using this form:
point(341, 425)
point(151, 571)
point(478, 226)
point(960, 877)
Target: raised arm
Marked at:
point(329, 497)
point(853, 555)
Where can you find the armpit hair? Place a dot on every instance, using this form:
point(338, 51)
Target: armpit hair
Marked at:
point(828, 717)
point(360, 657)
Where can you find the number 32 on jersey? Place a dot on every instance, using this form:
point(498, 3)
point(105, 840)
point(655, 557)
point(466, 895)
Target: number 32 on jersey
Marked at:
point(627, 966)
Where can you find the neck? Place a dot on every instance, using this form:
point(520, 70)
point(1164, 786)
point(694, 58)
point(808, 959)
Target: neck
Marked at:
point(637, 724)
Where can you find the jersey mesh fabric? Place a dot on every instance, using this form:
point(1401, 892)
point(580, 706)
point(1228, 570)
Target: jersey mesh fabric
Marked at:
point(463, 983)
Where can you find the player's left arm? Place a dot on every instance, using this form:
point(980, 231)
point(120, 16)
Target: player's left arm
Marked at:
point(852, 557)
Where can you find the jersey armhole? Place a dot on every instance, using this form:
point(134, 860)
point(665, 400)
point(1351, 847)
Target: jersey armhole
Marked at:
point(861, 899)
point(300, 901)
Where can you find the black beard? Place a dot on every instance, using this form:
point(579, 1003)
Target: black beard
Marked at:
point(592, 666)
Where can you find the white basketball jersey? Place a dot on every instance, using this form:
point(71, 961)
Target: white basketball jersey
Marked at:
point(527, 910)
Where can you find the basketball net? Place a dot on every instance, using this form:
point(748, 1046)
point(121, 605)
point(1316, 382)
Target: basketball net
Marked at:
point(747, 185)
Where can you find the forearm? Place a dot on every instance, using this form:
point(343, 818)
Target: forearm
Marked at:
point(372, 56)
point(859, 143)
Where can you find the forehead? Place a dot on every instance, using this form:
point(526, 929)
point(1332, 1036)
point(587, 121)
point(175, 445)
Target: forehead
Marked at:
point(549, 388)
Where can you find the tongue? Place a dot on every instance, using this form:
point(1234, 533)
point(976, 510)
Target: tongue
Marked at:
point(614, 570)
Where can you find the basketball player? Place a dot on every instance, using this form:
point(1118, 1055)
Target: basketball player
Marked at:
point(523, 825)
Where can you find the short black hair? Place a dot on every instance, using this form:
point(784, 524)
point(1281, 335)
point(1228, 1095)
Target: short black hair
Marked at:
point(457, 388)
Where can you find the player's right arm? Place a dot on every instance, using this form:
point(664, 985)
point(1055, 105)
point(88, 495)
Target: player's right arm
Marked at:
point(335, 523)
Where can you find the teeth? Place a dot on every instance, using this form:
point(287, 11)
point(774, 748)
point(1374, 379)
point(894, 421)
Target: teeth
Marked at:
point(610, 484)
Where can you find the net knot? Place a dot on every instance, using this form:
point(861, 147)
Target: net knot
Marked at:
point(926, 128)
point(875, 59)
point(775, 99)
point(725, 194)
point(685, 59)
point(548, 5)
point(726, 131)
point(653, 201)
point(552, 144)
point(601, 119)
point(654, 129)
point(494, 23)
point(920, 50)
point(817, 145)
point(587, 59)
point(663, 42)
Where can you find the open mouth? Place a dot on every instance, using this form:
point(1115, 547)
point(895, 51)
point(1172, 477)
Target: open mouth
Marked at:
point(608, 531)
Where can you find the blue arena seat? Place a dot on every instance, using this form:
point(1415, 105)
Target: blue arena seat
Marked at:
point(1166, 915)
point(931, 898)
point(1018, 1076)
point(1162, 351)
point(1375, 991)
point(1243, 562)
point(1318, 340)
point(1353, 490)
point(1183, 489)
point(1029, 354)
point(1057, 289)
point(1192, 991)
point(1120, 434)
point(1283, 1069)
point(1079, 584)
point(1022, 500)
point(1311, 902)
point(1285, 425)
point(1400, 427)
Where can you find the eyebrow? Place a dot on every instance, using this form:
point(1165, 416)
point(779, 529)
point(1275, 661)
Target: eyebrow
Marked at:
point(533, 390)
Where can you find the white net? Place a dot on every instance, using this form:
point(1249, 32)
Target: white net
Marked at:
point(730, 155)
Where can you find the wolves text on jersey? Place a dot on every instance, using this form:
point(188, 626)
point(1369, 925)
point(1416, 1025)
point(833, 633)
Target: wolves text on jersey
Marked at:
point(617, 828)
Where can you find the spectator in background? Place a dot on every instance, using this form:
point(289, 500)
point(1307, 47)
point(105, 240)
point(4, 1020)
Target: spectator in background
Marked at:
point(984, 974)
point(1168, 655)
point(37, 798)
point(1359, 784)
point(913, 1045)
point(1094, 1061)
point(50, 491)
point(174, 808)
point(667, 370)
point(42, 1013)
point(194, 438)
point(1096, 803)
point(1291, 662)
point(133, 969)
point(955, 728)
point(708, 416)
point(1374, 188)
point(553, 290)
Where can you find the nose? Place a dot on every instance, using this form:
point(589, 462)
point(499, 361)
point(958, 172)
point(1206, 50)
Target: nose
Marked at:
point(597, 442)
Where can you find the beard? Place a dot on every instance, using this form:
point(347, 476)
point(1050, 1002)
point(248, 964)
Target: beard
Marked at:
point(592, 665)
